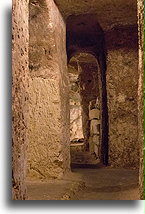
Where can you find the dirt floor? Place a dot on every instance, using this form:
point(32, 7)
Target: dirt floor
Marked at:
point(96, 183)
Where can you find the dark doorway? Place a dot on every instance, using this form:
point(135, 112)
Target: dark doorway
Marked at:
point(85, 35)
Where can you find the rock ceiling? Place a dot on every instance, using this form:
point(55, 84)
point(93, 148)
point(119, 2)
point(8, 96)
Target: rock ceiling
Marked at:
point(109, 13)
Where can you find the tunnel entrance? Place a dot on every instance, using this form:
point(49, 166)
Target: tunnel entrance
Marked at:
point(85, 36)
point(85, 110)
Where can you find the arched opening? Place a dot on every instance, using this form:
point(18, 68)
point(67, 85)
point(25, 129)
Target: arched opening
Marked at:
point(85, 35)
point(85, 110)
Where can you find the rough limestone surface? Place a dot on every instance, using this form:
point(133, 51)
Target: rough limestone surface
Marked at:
point(118, 20)
point(76, 130)
point(48, 150)
point(49, 114)
point(141, 95)
point(109, 12)
point(20, 38)
point(86, 68)
point(122, 85)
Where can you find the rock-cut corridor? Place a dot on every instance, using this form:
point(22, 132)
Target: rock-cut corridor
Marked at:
point(77, 100)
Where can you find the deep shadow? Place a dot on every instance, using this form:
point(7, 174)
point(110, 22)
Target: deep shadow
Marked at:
point(84, 34)
point(85, 166)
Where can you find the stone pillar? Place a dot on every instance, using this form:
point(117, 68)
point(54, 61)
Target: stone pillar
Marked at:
point(122, 86)
point(20, 36)
point(48, 150)
point(141, 94)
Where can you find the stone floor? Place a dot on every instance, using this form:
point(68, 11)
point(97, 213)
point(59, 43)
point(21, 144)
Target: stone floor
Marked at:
point(88, 184)
point(108, 184)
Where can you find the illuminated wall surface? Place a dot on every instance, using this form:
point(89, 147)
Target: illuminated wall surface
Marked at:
point(144, 101)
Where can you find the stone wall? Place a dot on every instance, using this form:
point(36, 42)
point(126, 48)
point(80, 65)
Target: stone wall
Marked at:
point(141, 95)
point(76, 130)
point(122, 84)
point(48, 150)
point(87, 91)
point(95, 128)
point(20, 38)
